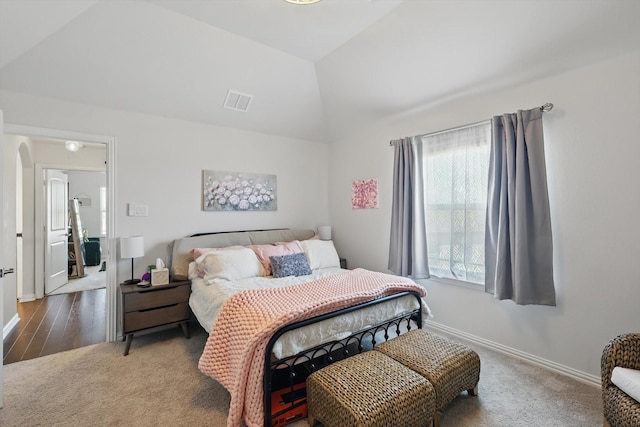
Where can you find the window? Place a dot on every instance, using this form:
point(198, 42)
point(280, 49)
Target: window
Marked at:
point(456, 166)
point(103, 211)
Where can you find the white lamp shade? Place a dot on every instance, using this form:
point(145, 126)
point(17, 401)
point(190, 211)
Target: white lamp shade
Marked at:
point(131, 247)
point(324, 231)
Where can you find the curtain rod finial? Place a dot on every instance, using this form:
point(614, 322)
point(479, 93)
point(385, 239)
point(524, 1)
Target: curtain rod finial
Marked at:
point(547, 107)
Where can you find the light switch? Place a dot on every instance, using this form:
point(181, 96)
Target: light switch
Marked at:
point(137, 210)
point(142, 210)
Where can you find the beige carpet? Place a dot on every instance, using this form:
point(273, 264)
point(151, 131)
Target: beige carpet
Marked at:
point(94, 279)
point(158, 384)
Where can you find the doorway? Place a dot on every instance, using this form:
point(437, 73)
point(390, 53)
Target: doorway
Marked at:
point(107, 243)
point(71, 313)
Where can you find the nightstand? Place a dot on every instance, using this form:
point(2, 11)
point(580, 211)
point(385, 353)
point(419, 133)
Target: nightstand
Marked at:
point(146, 308)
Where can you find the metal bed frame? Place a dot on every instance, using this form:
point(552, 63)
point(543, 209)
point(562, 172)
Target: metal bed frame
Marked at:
point(286, 375)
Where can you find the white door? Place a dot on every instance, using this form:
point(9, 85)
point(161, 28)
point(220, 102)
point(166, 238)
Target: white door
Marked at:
point(1, 247)
point(57, 217)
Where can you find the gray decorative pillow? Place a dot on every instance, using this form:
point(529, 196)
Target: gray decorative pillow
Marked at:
point(290, 265)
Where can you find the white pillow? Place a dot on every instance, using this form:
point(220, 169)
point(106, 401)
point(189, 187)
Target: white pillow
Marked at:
point(320, 253)
point(231, 264)
point(627, 380)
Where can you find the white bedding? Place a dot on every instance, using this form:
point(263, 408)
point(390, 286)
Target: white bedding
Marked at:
point(207, 300)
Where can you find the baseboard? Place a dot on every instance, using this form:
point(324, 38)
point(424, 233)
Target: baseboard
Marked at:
point(10, 326)
point(544, 363)
point(28, 298)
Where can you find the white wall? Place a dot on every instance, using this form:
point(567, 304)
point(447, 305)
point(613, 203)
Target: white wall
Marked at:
point(593, 149)
point(86, 185)
point(27, 291)
point(9, 168)
point(54, 155)
point(159, 163)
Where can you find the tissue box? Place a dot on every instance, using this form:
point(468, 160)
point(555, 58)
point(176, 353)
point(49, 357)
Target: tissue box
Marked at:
point(159, 276)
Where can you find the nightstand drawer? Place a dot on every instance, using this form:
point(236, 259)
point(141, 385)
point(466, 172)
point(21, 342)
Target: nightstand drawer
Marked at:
point(155, 298)
point(137, 320)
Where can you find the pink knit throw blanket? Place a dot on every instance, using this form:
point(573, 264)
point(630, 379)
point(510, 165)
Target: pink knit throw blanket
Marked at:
point(234, 353)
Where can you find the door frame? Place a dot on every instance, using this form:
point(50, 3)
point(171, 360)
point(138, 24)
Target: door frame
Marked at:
point(110, 243)
point(2, 237)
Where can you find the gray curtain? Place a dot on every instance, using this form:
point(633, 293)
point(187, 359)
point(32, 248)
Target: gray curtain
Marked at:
point(518, 246)
point(408, 240)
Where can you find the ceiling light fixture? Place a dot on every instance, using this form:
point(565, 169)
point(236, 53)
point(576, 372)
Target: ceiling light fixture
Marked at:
point(72, 146)
point(302, 1)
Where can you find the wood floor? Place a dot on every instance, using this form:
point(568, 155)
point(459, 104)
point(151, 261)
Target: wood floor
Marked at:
point(57, 323)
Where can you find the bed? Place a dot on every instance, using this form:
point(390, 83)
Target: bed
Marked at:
point(268, 333)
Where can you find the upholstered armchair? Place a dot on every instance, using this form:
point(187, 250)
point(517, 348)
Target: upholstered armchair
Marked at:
point(620, 410)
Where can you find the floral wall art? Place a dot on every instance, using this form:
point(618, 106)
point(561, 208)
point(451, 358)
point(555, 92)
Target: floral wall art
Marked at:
point(238, 191)
point(364, 193)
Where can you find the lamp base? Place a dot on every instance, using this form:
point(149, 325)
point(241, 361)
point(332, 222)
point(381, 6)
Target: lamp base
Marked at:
point(132, 281)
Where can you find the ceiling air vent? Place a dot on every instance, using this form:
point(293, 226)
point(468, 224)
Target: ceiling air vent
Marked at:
point(237, 101)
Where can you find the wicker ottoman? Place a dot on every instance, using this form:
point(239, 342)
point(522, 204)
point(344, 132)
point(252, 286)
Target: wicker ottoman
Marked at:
point(369, 389)
point(451, 367)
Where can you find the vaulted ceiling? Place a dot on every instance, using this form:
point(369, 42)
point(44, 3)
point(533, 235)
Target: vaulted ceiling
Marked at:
point(316, 72)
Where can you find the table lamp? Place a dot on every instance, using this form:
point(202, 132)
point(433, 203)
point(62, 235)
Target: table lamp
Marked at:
point(132, 247)
point(324, 232)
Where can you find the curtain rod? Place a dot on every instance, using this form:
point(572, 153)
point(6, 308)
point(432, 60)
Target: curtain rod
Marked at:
point(545, 108)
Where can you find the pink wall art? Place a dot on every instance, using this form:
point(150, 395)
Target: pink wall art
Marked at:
point(364, 193)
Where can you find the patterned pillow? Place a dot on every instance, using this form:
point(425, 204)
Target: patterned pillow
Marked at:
point(290, 265)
